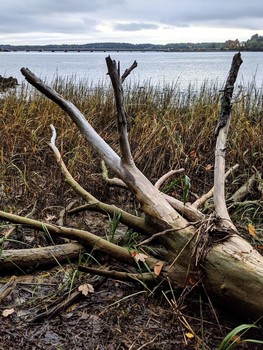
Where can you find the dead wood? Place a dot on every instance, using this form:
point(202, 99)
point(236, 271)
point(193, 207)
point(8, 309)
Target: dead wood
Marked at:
point(7, 288)
point(246, 189)
point(145, 277)
point(36, 257)
point(206, 248)
point(221, 132)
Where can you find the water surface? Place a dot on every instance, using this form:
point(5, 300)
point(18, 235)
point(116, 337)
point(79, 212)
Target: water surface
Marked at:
point(157, 67)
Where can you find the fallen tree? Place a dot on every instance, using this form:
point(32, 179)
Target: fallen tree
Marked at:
point(192, 248)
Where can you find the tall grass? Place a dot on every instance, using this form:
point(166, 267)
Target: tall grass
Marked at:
point(169, 128)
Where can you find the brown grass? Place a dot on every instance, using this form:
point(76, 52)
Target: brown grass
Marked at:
point(168, 129)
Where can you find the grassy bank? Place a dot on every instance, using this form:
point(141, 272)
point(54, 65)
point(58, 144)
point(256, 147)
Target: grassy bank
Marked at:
point(169, 128)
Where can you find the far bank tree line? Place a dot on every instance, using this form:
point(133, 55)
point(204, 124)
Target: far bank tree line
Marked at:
point(255, 43)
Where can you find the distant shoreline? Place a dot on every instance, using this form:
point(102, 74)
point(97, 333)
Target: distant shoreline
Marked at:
point(120, 50)
point(255, 43)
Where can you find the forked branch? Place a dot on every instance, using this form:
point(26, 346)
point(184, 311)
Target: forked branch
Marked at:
point(93, 203)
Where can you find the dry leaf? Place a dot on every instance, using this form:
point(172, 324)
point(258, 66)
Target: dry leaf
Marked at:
point(139, 256)
point(85, 289)
point(8, 312)
point(193, 280)
point(189, 335)
point(251, 230)
point(208, 167)
point(236, 339)
point(158, 268)
point(50, 217)
point(193, 154)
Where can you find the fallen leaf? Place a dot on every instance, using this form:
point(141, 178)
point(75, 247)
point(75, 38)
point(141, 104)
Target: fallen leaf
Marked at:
point(236, 339)
point(72, 307)
point(260, 247)
point(85, 289)
point(193, 154)
point(139, 256)
point(208, 167)
point(189, 335)
point(50, 217)
point(251, 230)
point(8, 312)
point(193, 280)
point(158, 268)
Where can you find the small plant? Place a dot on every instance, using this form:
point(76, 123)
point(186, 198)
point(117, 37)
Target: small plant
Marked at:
point(234, 338)
point(114, 223)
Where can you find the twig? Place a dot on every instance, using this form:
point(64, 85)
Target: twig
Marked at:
point(117, 275)
point(166, 176)
point(64, 212)
point(57, 306)
point(128, 71)
point(88, 238)
point(6, 289)
point(158, 234)
point(200, 201)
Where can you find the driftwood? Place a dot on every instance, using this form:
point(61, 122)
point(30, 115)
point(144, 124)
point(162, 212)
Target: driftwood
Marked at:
point(7, 83)
point(38, 257)
point(195, 247)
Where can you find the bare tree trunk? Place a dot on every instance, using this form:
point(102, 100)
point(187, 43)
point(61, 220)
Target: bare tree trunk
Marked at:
point(197, 248)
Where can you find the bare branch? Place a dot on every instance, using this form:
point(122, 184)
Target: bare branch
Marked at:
point(118, 275)
point(200, 201)
point(116, 81)
point(128, 71)
point(151, 200)
point(187, 211)
point(20, 258)
point(166, 176)
point(93, 203)
point(228, 90)
point(245, 189)
point(112, 181)
point(101, 147)
point(221, 133)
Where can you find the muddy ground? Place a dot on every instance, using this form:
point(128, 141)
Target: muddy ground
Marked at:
point(46, 310)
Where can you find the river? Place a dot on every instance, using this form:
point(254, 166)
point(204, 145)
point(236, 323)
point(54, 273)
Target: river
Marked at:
point(155, 67)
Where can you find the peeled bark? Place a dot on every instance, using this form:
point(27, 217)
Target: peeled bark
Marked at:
point(195, 247)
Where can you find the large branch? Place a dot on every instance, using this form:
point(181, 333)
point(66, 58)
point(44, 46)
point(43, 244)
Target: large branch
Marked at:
point(221, 132)
point(101, 147)
point(93, 203)
point(36, 257)
point(116, 80)
point(153, 203)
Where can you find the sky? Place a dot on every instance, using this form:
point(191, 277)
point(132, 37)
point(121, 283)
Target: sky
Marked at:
point(41, 22)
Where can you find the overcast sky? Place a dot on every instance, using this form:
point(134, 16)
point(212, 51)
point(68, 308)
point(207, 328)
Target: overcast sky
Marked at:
point(135, 21)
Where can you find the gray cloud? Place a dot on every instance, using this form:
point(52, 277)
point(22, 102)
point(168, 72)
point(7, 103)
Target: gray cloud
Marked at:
point(133, 27)
point(87, 16)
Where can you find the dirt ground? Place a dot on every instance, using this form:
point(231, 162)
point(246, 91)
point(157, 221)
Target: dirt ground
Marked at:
point(117, 315)
point(46, 310)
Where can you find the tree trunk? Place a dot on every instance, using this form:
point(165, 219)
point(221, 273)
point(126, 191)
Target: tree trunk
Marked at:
point(208, 250)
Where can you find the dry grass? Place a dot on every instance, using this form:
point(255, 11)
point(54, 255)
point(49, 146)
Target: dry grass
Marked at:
point(168, 129)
